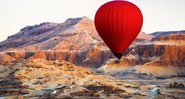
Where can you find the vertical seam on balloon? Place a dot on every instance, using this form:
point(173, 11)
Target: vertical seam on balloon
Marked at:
point(126, 19)
point(109, 23)
point(120, 23)
point(113, 18)
point(117, 29)
point(116, 24)
point(132, 14)
point(123, 24)
point(133, 22)
point(136, 18)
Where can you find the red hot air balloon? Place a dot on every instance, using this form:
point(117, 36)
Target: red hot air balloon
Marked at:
point(118, 24)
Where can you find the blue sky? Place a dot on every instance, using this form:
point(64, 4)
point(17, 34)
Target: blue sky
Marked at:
point(159, 15)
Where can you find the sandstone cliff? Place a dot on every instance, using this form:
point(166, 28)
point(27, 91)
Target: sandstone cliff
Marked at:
point(75, 40)
point(160, 52)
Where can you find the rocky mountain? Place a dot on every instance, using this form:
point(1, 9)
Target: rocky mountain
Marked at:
point(54, 35)
point(161, 54)
point(166, 33)
point(75, 40)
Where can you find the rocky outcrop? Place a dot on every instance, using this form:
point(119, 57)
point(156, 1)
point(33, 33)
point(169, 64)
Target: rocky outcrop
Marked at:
point(5, 57)
point(167, 50)
point(161, 53)
point(144, 36)
point(83, 58)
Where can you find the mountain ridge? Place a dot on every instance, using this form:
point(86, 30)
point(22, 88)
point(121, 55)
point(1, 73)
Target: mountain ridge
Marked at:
point(77, 41)
point(166, 33)
point(74, 40)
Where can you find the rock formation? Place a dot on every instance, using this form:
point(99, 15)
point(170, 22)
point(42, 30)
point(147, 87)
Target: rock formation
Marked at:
point(75, 40)
point(161, 53)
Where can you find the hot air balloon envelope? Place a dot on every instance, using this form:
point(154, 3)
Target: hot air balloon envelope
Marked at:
point(118, 24)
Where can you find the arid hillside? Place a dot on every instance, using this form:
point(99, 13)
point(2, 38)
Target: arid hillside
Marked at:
point(75, 40)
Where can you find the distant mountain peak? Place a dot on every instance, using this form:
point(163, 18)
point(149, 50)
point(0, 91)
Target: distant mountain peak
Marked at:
point(44, 24)
point(74, 21)
point(37, 29)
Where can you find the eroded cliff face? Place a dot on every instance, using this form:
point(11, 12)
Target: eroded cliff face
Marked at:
point(167, 51)
point(92, 58)
point(75, 40)
point(160, 52)
point(173, 50)
point(165, 55)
